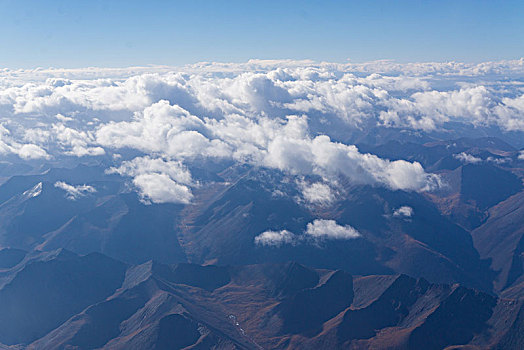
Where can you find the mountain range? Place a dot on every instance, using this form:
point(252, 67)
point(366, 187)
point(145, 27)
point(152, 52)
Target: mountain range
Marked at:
point(253, 262)
point(104, 303)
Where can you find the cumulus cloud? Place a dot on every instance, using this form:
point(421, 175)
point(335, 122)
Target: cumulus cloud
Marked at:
point(329, 229)
point(317, 230)
point(498, 161)
point(25, 151)
point(75, 142)
point(467, 158)
point(275, 238)
point(164, 129)
point(281, 143)
point(30, 151)
point(158, 180)
point(316, 193)
point(292, 150)
point(521, 155)
point(74, 192)
point(160, 188)
point(403, 211)
point(294, 116)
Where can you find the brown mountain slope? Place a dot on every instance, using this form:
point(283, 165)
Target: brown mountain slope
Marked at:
point(501, 239)
point(277, 306)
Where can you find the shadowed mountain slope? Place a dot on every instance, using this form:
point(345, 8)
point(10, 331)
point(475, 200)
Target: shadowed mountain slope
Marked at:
point(104, 304)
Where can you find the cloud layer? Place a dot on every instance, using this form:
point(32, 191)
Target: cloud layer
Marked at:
point(294, 116)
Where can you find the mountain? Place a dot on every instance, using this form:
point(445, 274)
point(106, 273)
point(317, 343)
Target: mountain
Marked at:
point(501, 240)
point(9, 257)
point(106, 304)
point(36, 213)
point(226, 225)
point(233, 204)
point(45, 289)
point(383, 268)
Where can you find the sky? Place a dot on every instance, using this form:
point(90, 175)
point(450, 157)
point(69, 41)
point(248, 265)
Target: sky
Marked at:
point(117, 33)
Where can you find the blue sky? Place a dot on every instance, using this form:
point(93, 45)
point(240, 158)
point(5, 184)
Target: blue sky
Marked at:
point(122, 33)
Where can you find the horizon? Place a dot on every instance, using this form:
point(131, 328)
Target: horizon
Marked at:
point(305, 61)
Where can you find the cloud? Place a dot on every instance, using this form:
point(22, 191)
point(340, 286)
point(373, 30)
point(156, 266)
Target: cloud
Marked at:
point(284, 144)
point(295, 116)
point(160, 188)
point(158, 180)
point(403, 211)
point(275, 238)
point(74, 192)
point(316, 193)
point(292, 150)
point(30, 151)
point(77, 143)
point(143, 165)
point(329, 229)
point(386, 67)
point(163, 129)
point(498, 161)
point(317, 230)
point(467, 158)
point(26, 151)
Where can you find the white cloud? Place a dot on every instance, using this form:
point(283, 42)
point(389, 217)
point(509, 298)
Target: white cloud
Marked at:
point(143, 165)
point(160, 188)
point(319, 229)
point(74, 192)
point(282, 114)
point(164, 129)
point(498, 160)
point(467, 158)
point(292, 150)
point(403, 211)
point(283, 144)
point(317, 193)
point(388, 67)
point(76, 142)
point(158, 180)
point(521, 155)
point(275, 238)
point(30, 151)
point(329, 229)
point(25, 151)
